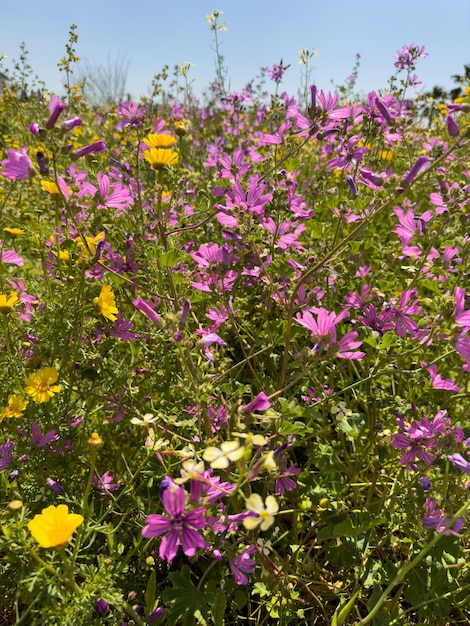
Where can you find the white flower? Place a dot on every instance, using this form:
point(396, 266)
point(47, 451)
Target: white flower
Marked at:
point(265, 512)
point(190, 470)
point(147, 419)
point(219, 458)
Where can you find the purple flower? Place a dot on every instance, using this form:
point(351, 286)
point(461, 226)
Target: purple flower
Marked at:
point(416, 449)
point(54, 485)
point(422, 163)
point(147, 309)
point(184, 314)
point(276, 72)
point(179, 528)
point(159, 612)
point(11, 257)
point(55, 108)
point(259, 403)
point(105, 482)
point(40, 441)
point(210, 338)
point(425, 483)
point(452, 127)
point(73, 123)
point(92, 148)
point(243, 564)
point(131, 113)
point(380, 322)
point(434, 518)
point(460, 462)
point(18, 164)
point(6, 456)
point(462, 317)
point(101, 607)
point(122, 329)
point(441, 383)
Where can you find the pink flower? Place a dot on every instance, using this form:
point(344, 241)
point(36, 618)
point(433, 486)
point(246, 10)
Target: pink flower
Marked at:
point(260, 403)
point(11, 257)
point(145, 307)
point(180, 528)
point(18, 164)
point(462, 317)
point(55, 109)
point(243, 564)
point(434, 518)
point(441, 383)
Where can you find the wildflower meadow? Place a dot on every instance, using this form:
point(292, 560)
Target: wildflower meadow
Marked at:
point(235, 352)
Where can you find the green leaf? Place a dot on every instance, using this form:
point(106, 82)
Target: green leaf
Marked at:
point(218, 608)
point(150, 593)
point(185, 598)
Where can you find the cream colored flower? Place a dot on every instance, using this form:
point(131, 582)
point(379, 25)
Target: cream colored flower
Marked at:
point(219, 458)
point(265, 512)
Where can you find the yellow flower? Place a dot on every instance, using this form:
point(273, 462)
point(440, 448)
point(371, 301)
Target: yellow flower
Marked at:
point(159, 140)
point(51, 187)
point(15, 407)
point(181, 127)
point(160, 157)
point(8, 301)
point(40, 385)
point(265, 512)
point(14, 232)
point(53, 528)
point(95, 442)
point(88, 247)
point(105, 303)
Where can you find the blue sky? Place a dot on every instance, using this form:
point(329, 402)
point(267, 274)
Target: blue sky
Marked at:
point(151, 34)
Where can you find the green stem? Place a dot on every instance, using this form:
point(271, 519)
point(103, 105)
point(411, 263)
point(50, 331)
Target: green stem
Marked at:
point(403, 571)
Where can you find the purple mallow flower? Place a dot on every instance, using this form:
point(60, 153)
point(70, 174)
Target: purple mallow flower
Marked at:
point(17, 165)
point(101, 607)
point(105, 483)
point(40, 441)
point(92, 148)
point(422, 163)
point(435, 519)
point(259, 403)
point(459, 461)
point(145, 307)
point(54, 485)
point(243, 564)
point(180, 527)
point(55, 108)
point(6, 454)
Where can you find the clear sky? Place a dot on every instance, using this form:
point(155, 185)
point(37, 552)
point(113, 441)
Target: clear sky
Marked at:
point(259, 33)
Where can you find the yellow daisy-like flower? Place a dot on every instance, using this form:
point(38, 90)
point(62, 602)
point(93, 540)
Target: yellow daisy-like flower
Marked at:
point(14, 232)
point(159, 140)
point(95, 442)
point(8, 301)
point(88, 247)
point(105, 303)
point(181, 127)
point(40, 385)
point(54, 526)
point(161, 157)
point(51, 187)
point(15, 407)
